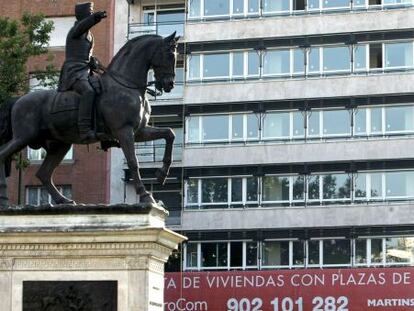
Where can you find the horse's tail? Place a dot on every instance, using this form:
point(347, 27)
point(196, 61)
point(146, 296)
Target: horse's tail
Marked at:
point(6, 133)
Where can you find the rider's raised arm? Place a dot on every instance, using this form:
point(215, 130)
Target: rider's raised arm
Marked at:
point(87, 23)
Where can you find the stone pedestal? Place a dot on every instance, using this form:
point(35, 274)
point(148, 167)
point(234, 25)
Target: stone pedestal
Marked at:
point(86, 255)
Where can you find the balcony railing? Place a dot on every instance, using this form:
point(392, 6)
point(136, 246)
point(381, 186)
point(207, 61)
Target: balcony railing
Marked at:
point(155, 153)
point(162, 28)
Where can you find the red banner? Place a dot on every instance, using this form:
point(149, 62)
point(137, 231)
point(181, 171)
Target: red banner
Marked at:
point(387, 289)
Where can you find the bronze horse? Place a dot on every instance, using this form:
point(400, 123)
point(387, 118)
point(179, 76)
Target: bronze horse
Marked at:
point(122, 107)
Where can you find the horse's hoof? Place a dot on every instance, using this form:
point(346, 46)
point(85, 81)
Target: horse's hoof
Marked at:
point(161, 176)
point(146, 198)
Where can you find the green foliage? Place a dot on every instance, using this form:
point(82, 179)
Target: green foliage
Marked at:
point(20, 40)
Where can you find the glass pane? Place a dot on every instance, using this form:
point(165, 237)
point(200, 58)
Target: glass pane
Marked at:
point(192, 255)
point(376, 250)
point(252, 126)
point(251, 188)
point(376, 120)
point(275, 253)
point(194, 67)
point(216, 65)
point(313, 123)
point(32, 196)
point(360, 57)
point(314, 60)
point(236, 254)
point(298, 253)
point(214, 254)
point(336, 252)
point(336, 122)
point(313, 187)
point(237, 127)
point(215, 127)
point(398, 54)
point(193, 129)
point(399, 250)
point(298, 124)
point(238, 63)
point(238, 6)
point(298, 61)
point(399, 184)
point(313, 250)
point(276, 125)
point(192, 191)
point(251, 254)
point(336, 186)
point(253, 63)
point(336, 58)
point(313, 4)
point(216, 7)
point(275, 188)
point(277, 62)
point(195, 8)
point(360, 121)
point(331, 4)
point(170, 21)
point(399, 119)
point(360, 185)
point(236, 190)
point(67, 191)
point(253, 6)
point(214, 190)
point(376, 185)
point(44, 196)
point(298, 187)
point(276, 5)
point(360, 251)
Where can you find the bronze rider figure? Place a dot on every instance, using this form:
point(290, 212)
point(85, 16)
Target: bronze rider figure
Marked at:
point(77, 66)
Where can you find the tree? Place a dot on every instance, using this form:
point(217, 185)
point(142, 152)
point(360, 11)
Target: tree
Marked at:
point(20, 40)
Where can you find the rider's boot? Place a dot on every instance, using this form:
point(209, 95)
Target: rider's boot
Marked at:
point(86, 133)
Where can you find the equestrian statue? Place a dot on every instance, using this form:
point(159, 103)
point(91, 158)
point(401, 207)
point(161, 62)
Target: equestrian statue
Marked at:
point(111, 109)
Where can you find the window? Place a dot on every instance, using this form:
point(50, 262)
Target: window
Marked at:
point(40, 154)
point(192, 192)
point(275, 253)
point(336, 252)
point(276, 125)
point(360, 121)
point(193, 135)
point(399, 250)
point(376, 120)
point(215, 128)
point(314, 60)
point(191, 255)
point(214, 190)
point(335, 4)
point(216, 7)
point(336, 187)
point(194, 67)
point(398, 55)
point(214, 255)
point(360, 57)
point(194, 8)
point(314, 252)
point(238, 64)
point(252, 63)
point(62, 25)
point(314, 123)
point(399, 184)
point(277, 62)
point(276, 6)
point(39, 195)
point(276, 189)
point(399, 119)
point(336, 122)
point(361, 252)
point(336, 58)
point(375, 56)
point(216, 65)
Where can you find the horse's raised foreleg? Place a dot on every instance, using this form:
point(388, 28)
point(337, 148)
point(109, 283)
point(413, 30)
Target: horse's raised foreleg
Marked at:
point(149, 133)
point(55, 154)
point(126, 140)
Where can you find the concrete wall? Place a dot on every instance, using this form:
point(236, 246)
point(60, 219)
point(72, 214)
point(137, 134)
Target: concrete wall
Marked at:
point(299, 25)
point(294, 217)
point(294, 153)
point(334, 86)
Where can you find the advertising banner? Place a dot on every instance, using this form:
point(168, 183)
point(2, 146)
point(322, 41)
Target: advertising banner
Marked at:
point(385, 289)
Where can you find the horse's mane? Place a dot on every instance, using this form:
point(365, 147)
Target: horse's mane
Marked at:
point(131, 44)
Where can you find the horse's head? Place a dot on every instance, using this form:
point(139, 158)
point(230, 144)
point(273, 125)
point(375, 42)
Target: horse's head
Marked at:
point(163, 63)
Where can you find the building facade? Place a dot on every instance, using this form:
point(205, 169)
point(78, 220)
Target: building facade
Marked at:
point(84, 174)
point(294, 122)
